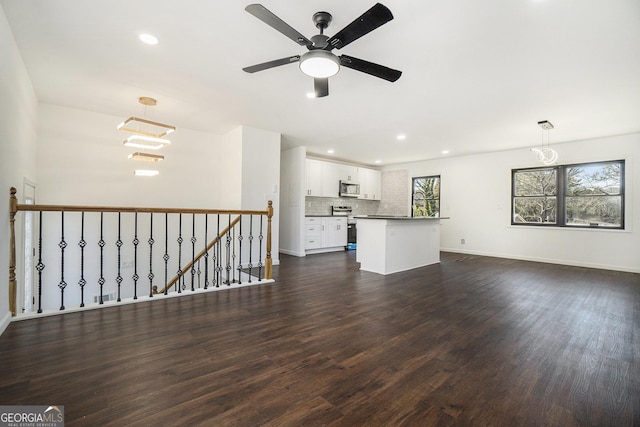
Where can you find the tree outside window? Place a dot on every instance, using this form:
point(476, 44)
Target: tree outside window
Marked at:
point(594, 195)
point(580, 195)
point(426, 196)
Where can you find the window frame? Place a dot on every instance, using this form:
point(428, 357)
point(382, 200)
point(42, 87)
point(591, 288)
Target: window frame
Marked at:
point(413, 183)
point(562, 194)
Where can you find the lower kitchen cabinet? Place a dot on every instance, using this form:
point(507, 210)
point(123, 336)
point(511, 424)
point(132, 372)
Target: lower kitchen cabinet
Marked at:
point(325, 234)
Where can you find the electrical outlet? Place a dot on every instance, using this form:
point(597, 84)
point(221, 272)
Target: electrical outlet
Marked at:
point(462, 241)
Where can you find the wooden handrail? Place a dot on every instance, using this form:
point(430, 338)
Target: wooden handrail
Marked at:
point(69, 208)
point(187, 267)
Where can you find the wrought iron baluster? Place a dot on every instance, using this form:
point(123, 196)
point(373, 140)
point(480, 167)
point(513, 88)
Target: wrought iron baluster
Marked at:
point(217, 260)
point(135, 257)
point(180, 283)
point(166, 253)
point(206, 253)
point(250, 266)
point(193, 250)
point(260, 237)
point(101, 244)
point(198, 272)
point(40, 266)
point(82, 243)
point(62, 245)
point(119, 246)
point(240, 252)
point(227, 245)
point(233, 254)
point(151, 242)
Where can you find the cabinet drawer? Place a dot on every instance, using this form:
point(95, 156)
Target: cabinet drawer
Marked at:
point(313, 230)
point(313, 242)
point(312, 220)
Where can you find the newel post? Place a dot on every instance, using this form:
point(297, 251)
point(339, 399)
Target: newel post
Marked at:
point(13, 208)
point(268, 260)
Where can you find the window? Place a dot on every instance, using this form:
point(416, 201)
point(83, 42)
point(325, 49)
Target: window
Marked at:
point(425, 200)
point(580, 195)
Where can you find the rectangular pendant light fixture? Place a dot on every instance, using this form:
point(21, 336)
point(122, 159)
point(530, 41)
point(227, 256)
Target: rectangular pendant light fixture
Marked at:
point(145, 157)
point(145, 172)
point(146, 142)
point(146, 127)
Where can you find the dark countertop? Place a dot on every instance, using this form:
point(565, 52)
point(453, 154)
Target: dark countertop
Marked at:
point(397, 217)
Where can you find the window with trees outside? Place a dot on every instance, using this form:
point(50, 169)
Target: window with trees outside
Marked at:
point(425, 201)
point(579, 195)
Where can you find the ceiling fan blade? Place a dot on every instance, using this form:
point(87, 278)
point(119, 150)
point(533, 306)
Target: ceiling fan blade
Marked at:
point(266, 16)
point(367, 22)
point(370, 68)
point(321, 87)
point(271, 64)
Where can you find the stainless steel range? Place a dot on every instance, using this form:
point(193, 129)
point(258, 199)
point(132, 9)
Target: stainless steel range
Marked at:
point(351, 223)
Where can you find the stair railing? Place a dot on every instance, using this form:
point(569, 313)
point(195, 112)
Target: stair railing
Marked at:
point(233, 251)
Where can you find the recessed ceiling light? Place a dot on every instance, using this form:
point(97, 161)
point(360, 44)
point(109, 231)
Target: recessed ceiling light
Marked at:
point(445, 151)
point(401, 137)
point(330, 151)
point(311, 95)
point(148, 39)
point(378, 161)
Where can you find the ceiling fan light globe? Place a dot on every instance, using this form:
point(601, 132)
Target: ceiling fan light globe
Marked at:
point(319, 64)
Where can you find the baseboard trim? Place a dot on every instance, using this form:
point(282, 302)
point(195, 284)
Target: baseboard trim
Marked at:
point(5, 322)
point(142, 299)
point(292, 253)
point(546, 260)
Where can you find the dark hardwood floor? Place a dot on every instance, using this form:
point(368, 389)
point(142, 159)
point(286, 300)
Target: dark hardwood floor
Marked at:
point(472, 341)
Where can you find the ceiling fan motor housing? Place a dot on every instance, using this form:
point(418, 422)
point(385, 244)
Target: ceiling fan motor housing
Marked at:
point(319, 41)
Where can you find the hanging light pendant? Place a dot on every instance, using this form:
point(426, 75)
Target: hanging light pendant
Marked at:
point(146, 157)
point(145, 127)
point(545, 154)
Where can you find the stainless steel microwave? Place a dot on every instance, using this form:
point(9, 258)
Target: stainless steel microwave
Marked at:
point(349, 189)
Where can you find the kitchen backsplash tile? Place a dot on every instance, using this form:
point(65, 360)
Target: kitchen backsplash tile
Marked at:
point(396, 196)
point(322, 205)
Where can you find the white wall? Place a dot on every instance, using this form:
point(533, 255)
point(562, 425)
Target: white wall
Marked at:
point(18, 115)
point(81, 160)
point(261, 177)
point(292, 201)
point(476, 195)
point(229, 165)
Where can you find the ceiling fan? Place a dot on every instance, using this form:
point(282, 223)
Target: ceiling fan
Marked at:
point(319, 62)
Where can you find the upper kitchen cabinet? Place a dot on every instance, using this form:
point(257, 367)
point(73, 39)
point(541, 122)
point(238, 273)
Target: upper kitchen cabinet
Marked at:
point(370, 181)
point(313, 177)
point(322, 178)
point(347, 173)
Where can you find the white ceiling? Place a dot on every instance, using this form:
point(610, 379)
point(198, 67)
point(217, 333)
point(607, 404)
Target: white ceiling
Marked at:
point(477, 75)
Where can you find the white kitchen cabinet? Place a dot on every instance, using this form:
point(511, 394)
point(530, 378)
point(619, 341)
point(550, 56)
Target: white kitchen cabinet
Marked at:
point(321, 178)
point(313, 233)
point(313, 177)
point(325, 234)
point(335, 232)
point(347, 173)
point(330, 179)
point(370, 183)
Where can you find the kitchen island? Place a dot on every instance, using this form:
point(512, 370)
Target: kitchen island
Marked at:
point(389, 244)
